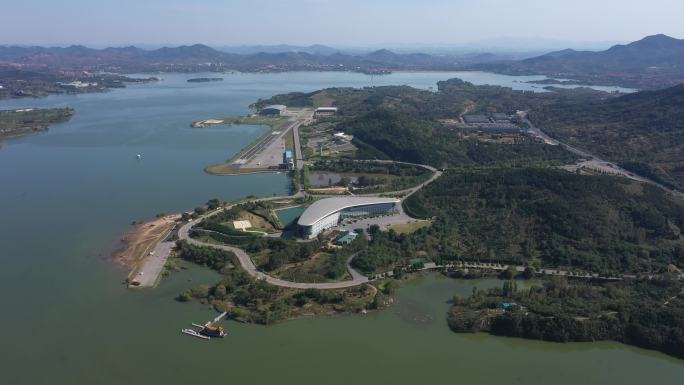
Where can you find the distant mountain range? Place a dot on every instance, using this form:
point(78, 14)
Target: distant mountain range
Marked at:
point(314, 49)
point(655, 61)
point(198, 57)
point(651, 62)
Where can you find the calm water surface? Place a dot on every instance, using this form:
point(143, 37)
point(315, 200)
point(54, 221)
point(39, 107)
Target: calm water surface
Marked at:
point(66, 197)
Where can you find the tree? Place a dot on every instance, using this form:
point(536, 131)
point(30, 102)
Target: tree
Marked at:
point(185, 296)
point(528, 273)
point(509, 273)
point(213, 204)
point(220, 291)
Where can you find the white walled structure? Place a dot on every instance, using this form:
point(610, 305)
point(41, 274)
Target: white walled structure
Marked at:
point(327, 213)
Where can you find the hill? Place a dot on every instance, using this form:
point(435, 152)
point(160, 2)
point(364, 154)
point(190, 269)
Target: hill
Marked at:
point(651, 62)
point(598, 223)
point(643, 131)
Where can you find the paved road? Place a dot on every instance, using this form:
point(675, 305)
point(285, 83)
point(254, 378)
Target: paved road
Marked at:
point(153, 265)
point(299, 158)
point(250, 268)
point(612, 166)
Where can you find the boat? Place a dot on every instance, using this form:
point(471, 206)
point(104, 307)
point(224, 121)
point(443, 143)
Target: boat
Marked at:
point(211, 330)
point(194, 334)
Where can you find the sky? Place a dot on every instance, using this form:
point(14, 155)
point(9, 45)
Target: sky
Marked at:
point(339, 23)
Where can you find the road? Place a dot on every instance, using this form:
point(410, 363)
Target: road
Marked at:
point(153, 265)
point(247, 264)
point(598, 162)
point(269, 150)
point(299, 158)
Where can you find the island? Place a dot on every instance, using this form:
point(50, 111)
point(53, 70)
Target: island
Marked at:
point(551, 81)
point(19, 122)
point(204, 80)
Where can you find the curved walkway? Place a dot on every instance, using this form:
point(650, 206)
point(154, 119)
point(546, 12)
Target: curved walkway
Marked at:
point(250, 268)
point(248, 265)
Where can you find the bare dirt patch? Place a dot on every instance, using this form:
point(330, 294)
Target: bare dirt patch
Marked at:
point(141, 240)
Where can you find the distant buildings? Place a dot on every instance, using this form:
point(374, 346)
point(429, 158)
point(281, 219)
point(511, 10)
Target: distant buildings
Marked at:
point(273, 110)
point(325, 111)
point(77, 84)
point(341, 137)
point(498, 117)
point(495, 123)
point(476, 119)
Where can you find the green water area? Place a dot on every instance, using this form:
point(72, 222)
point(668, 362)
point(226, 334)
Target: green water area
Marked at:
point(68, 195)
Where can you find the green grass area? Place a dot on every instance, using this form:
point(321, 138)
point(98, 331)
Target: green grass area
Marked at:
point(315, 269)
point(289, 141)
point(408, 228)
point(250, 300)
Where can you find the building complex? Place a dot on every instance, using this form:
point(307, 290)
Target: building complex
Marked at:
point(327, 213)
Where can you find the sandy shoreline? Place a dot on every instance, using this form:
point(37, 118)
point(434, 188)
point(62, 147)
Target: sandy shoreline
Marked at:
point(137, 243)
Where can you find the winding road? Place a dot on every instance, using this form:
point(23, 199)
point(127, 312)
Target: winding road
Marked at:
point(614, 167)
point(248, 265)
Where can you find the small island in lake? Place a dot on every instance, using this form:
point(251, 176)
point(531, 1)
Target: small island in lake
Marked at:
point(203, 80)
point(557, 82)
point(14, 123)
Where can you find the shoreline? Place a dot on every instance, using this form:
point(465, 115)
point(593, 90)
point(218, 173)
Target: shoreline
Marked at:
point(136, 244)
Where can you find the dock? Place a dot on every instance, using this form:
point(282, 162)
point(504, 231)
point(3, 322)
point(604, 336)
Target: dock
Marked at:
point(195, 333)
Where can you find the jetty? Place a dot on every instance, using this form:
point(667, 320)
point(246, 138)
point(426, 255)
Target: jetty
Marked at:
point(203, 328)
point(193, 333)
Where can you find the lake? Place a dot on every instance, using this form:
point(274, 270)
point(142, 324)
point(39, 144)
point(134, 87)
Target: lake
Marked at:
point(67, 196)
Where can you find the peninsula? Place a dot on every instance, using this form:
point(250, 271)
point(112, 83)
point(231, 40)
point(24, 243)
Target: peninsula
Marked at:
point(460, 181)
point(19, 122)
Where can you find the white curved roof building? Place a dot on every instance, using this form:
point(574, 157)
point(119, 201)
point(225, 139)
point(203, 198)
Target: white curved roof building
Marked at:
point(326, 213)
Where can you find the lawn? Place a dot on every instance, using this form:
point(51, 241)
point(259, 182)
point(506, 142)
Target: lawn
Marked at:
point(407, 228)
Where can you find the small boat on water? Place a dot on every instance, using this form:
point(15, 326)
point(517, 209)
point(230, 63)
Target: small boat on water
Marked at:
point(211, 330)
point(208, 330)
point(138, 157)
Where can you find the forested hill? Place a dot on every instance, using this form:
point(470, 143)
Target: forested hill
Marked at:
point(598, 223)
point(654, 61)
point(643, 131)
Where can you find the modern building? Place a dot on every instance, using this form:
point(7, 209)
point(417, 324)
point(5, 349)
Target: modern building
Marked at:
point(346, 238)
point(501, 118)
point(476, 119)
point(325, 111)
point(275, 109)
point(288, 160)
point(327, 213)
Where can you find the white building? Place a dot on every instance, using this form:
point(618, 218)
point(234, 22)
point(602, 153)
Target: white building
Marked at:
point(327, 213)
point(325, 111)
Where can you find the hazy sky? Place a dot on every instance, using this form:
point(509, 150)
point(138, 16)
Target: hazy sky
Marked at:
point(332, 22)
